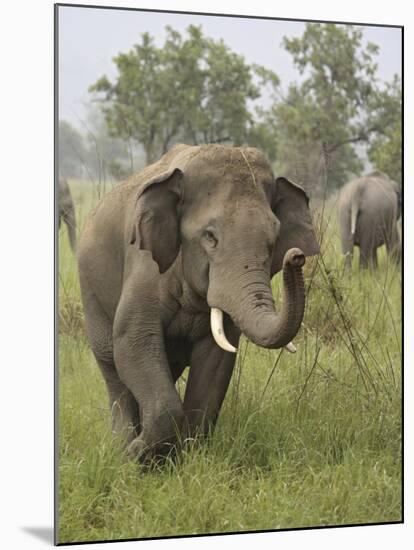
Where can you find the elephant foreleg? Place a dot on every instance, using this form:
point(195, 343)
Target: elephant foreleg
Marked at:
point(210, 373)
point(141, 360)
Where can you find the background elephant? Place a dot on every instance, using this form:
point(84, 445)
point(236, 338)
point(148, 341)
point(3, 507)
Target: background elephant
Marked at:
point(67, 210)
point(202, 229)
point(368, 210)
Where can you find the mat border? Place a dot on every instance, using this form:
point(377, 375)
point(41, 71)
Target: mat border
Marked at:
point(56, 8)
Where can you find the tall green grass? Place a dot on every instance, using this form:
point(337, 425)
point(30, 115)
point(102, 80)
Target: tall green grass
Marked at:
point(303, 440)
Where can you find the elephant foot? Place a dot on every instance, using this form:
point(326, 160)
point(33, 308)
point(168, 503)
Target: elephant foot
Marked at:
point(137, 449)
point(140, 451)
point(125, 434)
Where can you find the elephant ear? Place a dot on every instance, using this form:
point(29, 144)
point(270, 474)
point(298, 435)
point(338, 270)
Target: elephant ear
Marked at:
point(290, 204)
point(156, 225)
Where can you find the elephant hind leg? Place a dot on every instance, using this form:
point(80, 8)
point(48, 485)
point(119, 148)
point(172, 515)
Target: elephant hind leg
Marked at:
point(368, 243)
point(347, 239)
point(393, 244)
point(348, 259)
point(374, 258)
point(368, 256)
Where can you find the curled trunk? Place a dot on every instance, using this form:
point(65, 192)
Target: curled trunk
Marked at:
point(253, 309)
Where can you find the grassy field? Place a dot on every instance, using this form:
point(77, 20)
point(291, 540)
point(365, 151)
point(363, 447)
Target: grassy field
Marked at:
point(303, 440)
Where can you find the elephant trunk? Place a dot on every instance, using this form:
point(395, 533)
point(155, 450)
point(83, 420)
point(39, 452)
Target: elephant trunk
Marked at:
point(253, 310)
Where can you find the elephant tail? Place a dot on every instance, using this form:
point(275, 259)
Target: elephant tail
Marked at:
point(354, 214)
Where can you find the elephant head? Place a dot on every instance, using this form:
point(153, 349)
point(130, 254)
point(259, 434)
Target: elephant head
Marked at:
point(235, 226)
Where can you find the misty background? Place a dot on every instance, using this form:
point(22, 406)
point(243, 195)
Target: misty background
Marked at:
point(89, 40)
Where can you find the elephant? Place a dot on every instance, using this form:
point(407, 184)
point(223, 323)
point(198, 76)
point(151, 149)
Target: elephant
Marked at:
point(368, 210)
point(67, 210)
point(174, 264)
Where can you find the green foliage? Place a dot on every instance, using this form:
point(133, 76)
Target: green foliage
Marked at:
point(385, 151)
point(192, 89)
point(131, 105)
point(303, 154)
point(341, 74)
point(228, 87)
point(263, 132)
point(332, 107)
point(305, 439)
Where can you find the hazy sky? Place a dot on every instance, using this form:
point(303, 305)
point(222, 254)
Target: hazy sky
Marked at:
point(90, 38)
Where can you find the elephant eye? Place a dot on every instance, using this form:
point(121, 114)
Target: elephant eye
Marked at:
point(210, 237)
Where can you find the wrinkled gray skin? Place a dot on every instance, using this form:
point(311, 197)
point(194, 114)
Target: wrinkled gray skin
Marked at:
point(205, 226)
point(67, 211)
point(368, 211)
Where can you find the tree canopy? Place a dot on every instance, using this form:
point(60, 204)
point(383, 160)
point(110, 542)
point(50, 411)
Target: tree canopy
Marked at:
point(194, 89)
point(385, 150)
point(337, 104)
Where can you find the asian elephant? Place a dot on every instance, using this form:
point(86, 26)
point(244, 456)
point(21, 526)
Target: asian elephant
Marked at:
point(368, 210)
point(196, 235)
point(67, 210)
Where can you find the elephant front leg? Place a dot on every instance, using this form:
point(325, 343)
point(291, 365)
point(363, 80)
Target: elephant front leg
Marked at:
point(141, 361)
point(210, 373)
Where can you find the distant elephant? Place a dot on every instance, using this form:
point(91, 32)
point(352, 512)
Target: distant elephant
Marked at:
point(368, 211)
point(67, 211)
point(196, 234)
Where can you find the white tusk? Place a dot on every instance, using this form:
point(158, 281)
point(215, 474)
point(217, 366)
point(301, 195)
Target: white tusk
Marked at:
point(216, 321)
point(291, 347)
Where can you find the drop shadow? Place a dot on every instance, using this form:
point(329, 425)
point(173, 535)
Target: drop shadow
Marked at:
point(43, 533)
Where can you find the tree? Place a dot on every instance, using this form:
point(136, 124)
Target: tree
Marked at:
point(129, 111)
point(323, 117)
point(263, 132)
point(385, 151)
point(227, 87)
point(302, 152)
point(108, 155)
point(193, 89)
point(71, 151)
